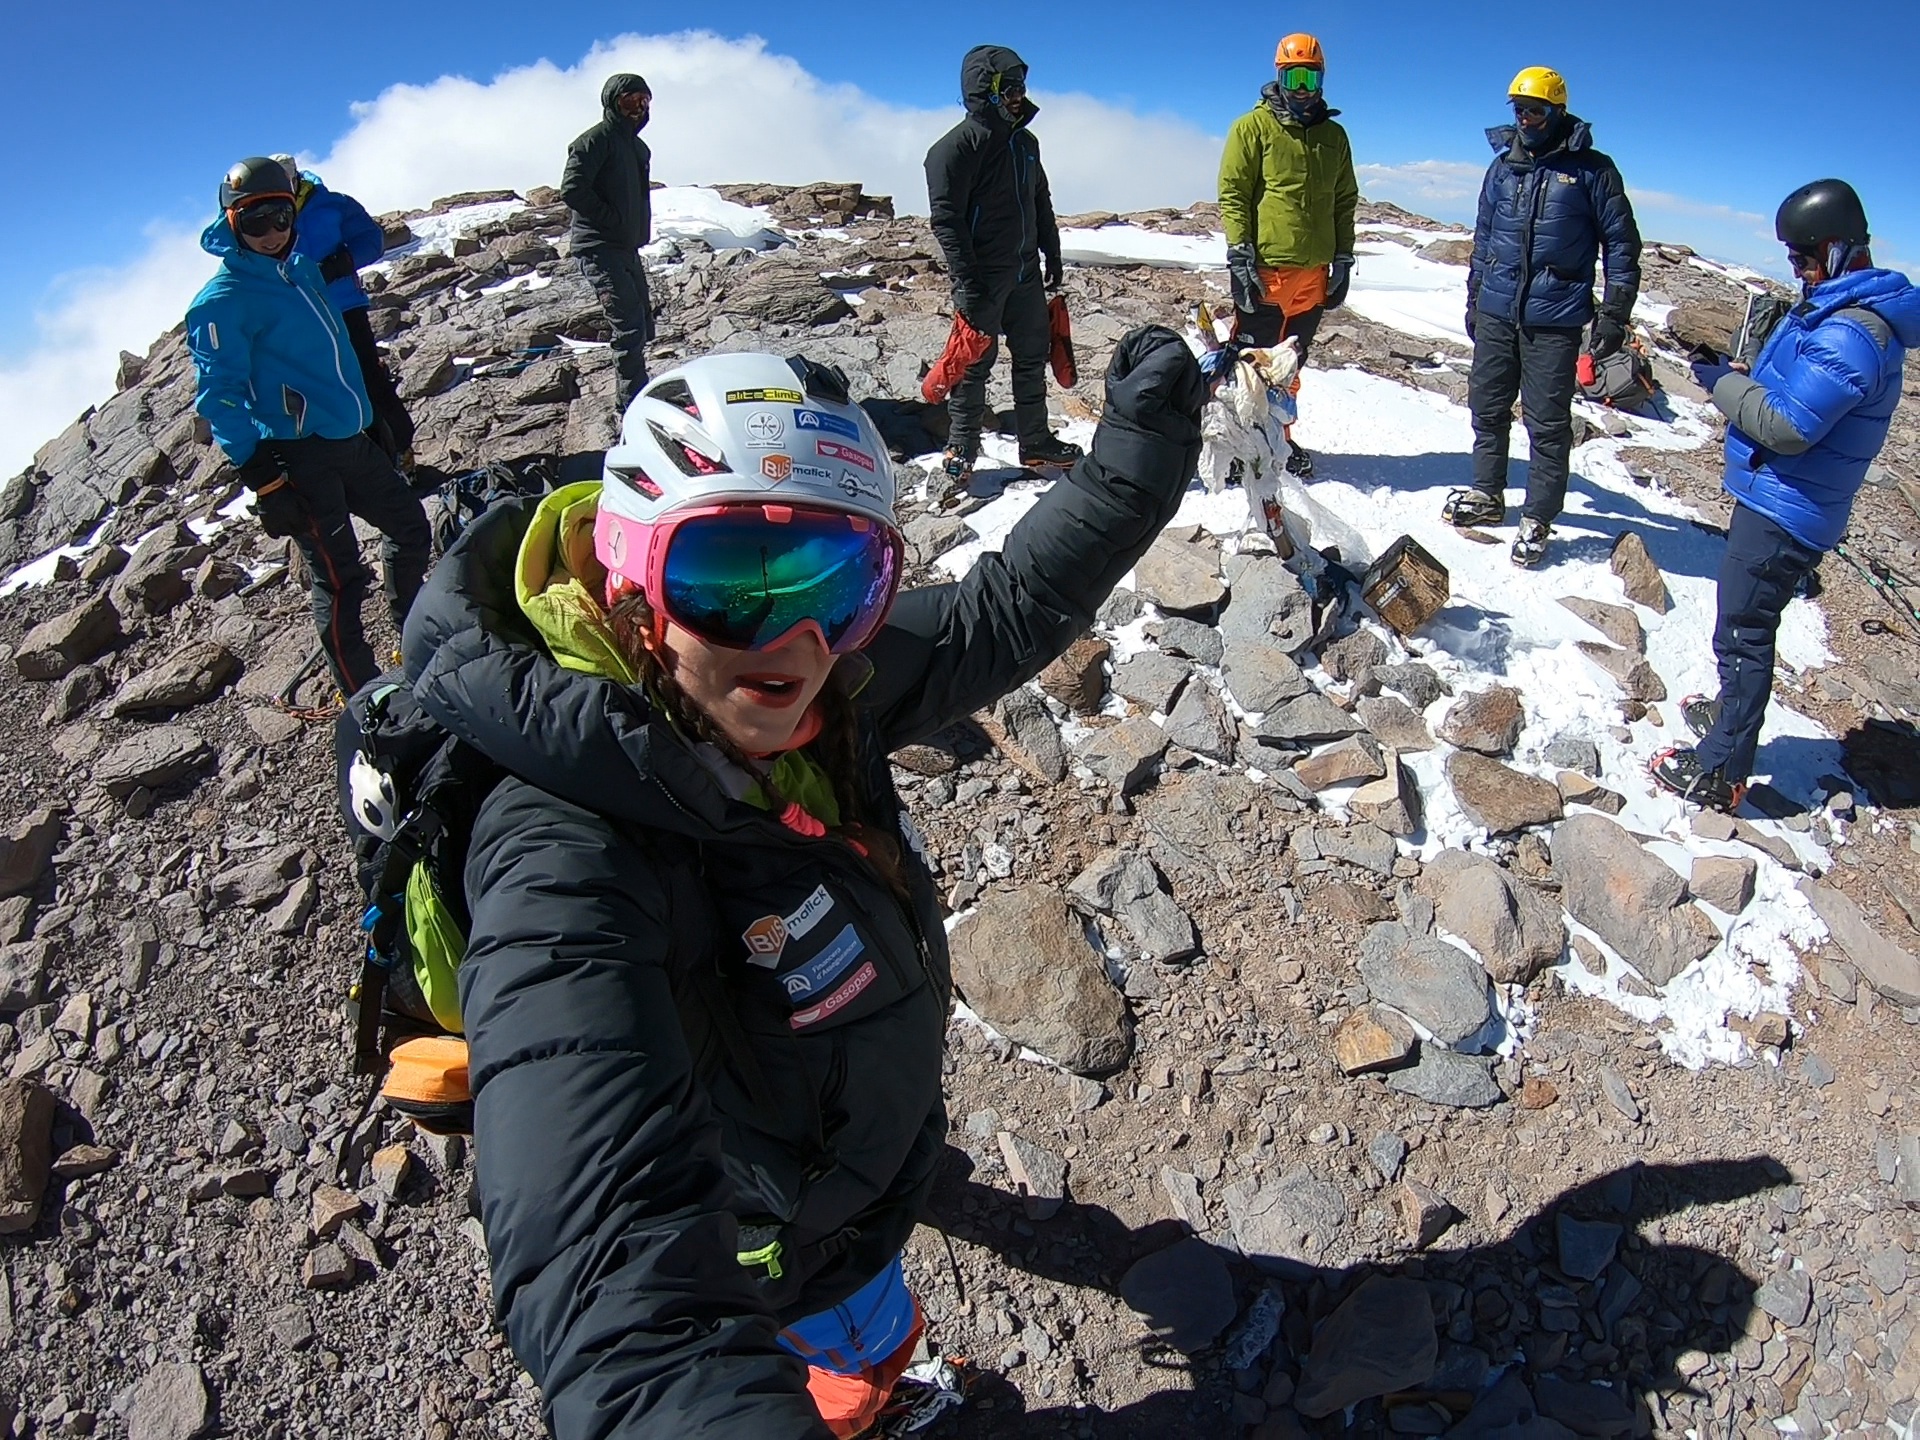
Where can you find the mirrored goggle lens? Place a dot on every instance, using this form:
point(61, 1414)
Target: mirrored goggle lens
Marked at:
point(1300, 77)
point(1532, 109)
point(745, 578)
point(265, 217)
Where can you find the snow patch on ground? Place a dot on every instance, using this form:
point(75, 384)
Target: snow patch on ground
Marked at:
point(1134, 245)
point(691, 212)
point(435, 234)
point(1392, 286)
point(39, 570)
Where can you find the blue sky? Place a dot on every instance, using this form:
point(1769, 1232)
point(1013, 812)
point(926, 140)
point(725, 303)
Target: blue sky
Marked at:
point(124, 115)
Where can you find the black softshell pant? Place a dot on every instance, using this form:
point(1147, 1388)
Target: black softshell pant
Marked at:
point(1535, 363)
point(337, 480)
point(619, 281)
point(1268, 325)
point(1018, 312)
point(1759, 574)
point(388, 411)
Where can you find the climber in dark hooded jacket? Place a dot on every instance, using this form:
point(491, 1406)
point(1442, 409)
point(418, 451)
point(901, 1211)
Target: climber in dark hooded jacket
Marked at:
point(664, 1216)
point(607, 185)
point(1550, 207)
point(992, 213)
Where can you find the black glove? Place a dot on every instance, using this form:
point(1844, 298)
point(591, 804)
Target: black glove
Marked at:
point(1609, 334)
point(964, 302)
point(276, 504)
point(1471, 307)
point(1154, 384)
point(1338, 279)
point(1243, 274)
point(1051, 271)
point(337, 266)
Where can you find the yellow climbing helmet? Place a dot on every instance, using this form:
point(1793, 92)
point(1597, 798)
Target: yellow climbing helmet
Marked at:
point(1537, 82)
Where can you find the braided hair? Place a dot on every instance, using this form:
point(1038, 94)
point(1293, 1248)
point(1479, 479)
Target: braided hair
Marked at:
point(836, 748)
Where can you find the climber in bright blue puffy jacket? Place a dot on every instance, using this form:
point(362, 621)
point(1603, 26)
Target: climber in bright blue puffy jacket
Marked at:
point(1801, 431)
point(1804, 427)
point(338, 235)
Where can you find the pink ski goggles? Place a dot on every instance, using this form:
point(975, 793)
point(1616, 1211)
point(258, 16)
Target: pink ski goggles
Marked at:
point(747, 576)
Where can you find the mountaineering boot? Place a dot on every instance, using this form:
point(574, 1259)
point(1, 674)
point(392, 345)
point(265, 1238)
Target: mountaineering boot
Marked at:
point(1473, 507)
point(1700, 713)
point(957, 466)
point(1530, 546)
point(1299, 462)
point(1680, 771)
point(1051, 450)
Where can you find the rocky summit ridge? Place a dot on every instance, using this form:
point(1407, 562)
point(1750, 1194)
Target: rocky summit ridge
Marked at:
point(1332, 1125)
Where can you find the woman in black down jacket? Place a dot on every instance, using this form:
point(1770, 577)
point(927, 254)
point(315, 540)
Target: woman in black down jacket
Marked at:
point(706, 988)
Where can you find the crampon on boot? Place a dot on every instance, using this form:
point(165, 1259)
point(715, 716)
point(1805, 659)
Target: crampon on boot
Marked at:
point(1680, 771)
point(1051, 451)
point(1473, 507)
point(1530, 545)
point(1700, 713)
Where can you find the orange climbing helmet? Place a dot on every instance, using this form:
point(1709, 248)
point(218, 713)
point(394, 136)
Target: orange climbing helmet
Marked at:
point(1301, 49)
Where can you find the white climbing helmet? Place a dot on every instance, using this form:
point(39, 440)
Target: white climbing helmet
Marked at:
point(746, 427)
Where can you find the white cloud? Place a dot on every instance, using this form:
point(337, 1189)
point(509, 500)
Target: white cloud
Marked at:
point(1425, 185)
point(724, 110)
point(88, 318)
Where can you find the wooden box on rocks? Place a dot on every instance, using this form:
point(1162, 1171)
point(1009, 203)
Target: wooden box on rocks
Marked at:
point(1406, 585)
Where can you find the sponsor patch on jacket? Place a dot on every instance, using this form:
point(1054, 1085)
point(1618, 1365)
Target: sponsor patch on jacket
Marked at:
point(834, 450)
point(813, 472)
point(766, 396)
point(826, 967)
point(766, 938)
point(821, 420)
point(777, 467)
point(837, 1001)
point(764, 430)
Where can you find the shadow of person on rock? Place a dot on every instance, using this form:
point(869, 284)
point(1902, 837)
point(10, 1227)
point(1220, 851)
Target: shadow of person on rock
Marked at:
point(1577, 1310)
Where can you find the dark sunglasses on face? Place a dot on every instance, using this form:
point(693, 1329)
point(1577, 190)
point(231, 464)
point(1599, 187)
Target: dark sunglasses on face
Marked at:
point(1531, 109)
point(1803, 259)
point(266, 216)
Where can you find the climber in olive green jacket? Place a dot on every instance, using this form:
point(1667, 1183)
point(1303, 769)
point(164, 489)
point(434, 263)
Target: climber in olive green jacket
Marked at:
point(1287, 200)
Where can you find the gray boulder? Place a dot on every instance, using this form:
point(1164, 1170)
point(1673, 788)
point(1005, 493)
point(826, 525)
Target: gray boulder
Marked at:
point(194, 673)
point(1023, 963)
point(1499, 797)
point(1260, 676)
point(56, 646)
point(1380, 1340)
point(1200, 723)
point(1285, 1224)
point(1125, 755)
point(1437, 985)
point(1151, 680)
point(154, 758)
point(1633, 900)
point(1516, 931)
point(1129, 888)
